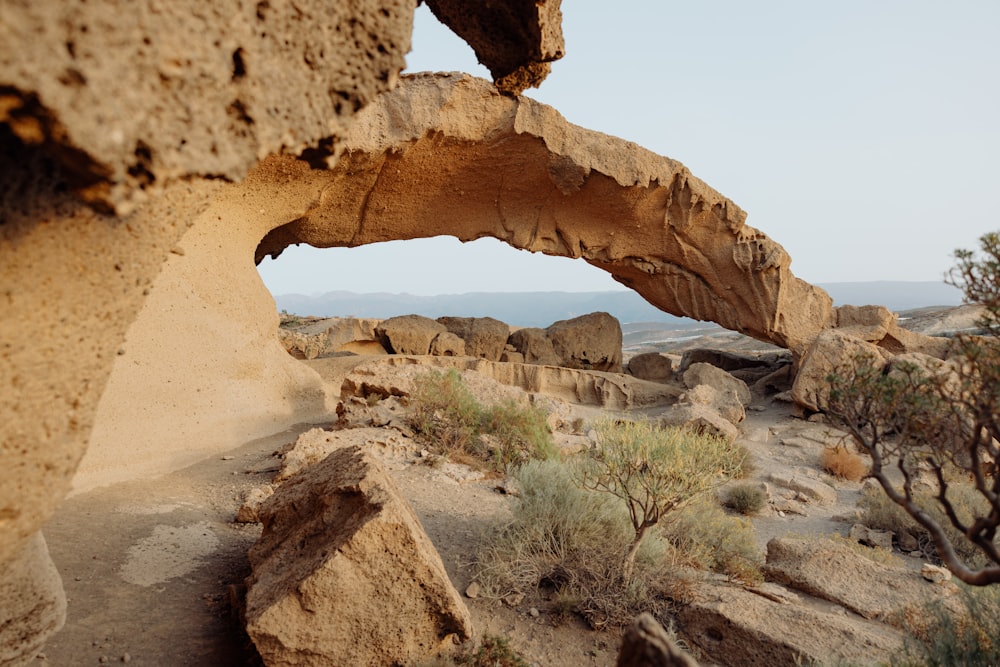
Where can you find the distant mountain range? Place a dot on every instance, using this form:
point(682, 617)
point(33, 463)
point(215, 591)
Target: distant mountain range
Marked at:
point(540, 309)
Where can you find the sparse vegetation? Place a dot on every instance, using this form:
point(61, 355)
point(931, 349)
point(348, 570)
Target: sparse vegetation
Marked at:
point(655, 471)
point(746, 498)
point(703, 536)
point(842, 463)
point(968, 635)
point(928, 419)
point(456, 424)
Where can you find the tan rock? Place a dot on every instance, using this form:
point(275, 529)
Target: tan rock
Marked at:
point(814, 490)
point(935, 573)
point(484, 337)
point(447, 344)
point(871, 537)
point(651, 366)
point(647, 644)
point(831, 351)
point(408, 334)
point(834, 572)
point(725, 403)
point(32, 603)
point(688, 250)
point(588, 342)
point(727, 621)
point(249, 511)
point(534, 346)
point(342, 557)
point(707, 374)
point(700, 418)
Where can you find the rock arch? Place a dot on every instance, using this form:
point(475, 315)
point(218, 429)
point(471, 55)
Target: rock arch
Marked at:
point(448, 154)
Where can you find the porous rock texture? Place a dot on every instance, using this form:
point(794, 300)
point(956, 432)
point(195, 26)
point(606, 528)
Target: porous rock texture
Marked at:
point(32, 601)
point(515, 50)
point(344, 574)
point(462, 159)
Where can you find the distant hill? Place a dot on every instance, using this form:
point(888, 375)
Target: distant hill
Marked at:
point(540, 309)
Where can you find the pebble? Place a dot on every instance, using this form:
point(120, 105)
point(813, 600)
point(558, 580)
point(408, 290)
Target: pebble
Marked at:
point(228, 457)
point(126, 657)
point(533, 612)
point(472, 591)
point(103, 659)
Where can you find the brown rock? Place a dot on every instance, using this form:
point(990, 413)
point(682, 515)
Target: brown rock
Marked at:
point(831, 351)
point(515, 40)
point(834, 572)
point(651, 366)
point(408, 334)
point(484, 337)
point(447, 344)
point(700, 418)
point(647, 644)
point(342, 557)
point(736, 626)
point(534, 346)
point(588, 342)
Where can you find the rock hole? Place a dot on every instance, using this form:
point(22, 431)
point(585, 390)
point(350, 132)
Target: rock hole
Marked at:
point(262, 8)
point(239, 67)
point(140, 170)
point(714, 634)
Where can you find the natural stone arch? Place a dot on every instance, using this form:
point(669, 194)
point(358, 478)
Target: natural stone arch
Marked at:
point(448, 154)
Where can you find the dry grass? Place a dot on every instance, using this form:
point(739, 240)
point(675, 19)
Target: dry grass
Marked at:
point(841, 462)
point(746, 498)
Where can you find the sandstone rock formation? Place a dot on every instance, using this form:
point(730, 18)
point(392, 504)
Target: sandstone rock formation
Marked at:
point(484, 337)
point(531, 179)
point(534, 346)
point(647, 644)
point(408, 334)
point(32, 603)
point(651, 366)
point(343, 573)
point(515, 50)
point(591, 342)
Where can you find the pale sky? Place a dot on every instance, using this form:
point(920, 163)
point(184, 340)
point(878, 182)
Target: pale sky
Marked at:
point(862, 135)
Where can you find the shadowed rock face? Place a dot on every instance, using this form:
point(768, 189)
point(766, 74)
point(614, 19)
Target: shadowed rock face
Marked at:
point(448, 154)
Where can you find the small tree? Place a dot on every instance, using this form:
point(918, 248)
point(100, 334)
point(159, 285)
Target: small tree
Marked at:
point(655, 471)
point(942, 417)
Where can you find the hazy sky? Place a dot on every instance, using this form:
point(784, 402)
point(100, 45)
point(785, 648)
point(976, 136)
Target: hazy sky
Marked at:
point(862, 135)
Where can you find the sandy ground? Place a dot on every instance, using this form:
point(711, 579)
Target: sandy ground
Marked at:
point(151, 568)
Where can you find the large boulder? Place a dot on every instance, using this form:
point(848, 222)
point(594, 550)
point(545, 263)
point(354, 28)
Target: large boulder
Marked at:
point(344, 574)
point(447, 344)
point(408, 334)
point(32, 603)
point(651, 366)
point(534, 346)
point(730, 389)
point(833, 352)
point(484, 337)
point(589, 342)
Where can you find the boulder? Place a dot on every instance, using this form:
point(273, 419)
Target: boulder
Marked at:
point(534, 346)
point(408, 334)
point(732, 625)
point(725, 403)
point(484, 337)
point(647, 644)
point(832, 351)
point(813, 490)
point(720, 380)
point(651, 366)
point(834, 572)
point(730, 361)
point(343, 573)
point(447, 344)
point(700, 418)
point(588, 342)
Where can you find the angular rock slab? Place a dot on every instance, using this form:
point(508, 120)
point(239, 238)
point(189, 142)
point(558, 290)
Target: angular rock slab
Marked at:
point(834, 572)
point(344, 574)
point(736, 626)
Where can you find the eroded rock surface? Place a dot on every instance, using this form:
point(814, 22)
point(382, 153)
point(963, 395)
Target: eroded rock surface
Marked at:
point(344, 574)
point(531, 179)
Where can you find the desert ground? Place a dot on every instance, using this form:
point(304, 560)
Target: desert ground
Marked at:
point(154, 569)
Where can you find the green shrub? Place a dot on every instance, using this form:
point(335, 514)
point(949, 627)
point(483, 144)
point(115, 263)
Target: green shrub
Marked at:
point(703, 536)
point(452, 421)
point(655, 471)
point(746, 498)
point(572, 541)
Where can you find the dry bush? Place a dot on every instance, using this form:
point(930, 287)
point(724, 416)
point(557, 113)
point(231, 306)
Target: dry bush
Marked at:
point(746, 498)
point(840, 462)
point(879, 555)
point(452, 421)
point(966, 635)
point(703, 536)
point(747, 466)
point(880, 512)
point(572, 541)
